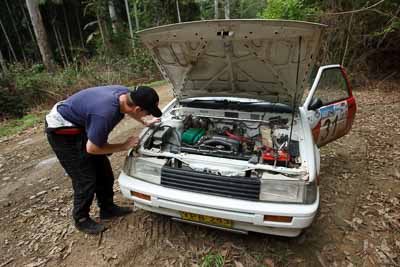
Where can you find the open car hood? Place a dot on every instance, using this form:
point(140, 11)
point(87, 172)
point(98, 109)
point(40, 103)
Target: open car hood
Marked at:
point(256, 59)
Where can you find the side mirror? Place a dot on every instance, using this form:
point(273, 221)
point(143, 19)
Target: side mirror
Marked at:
point(316, 103)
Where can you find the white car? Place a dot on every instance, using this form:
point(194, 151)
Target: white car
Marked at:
point(238, 147)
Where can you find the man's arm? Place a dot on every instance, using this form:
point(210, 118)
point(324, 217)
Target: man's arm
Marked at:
point(92, 148)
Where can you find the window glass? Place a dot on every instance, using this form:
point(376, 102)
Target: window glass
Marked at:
point(309, 82)
point(332, 86)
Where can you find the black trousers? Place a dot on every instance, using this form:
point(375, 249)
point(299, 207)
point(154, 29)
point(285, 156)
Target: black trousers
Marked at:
point(90, 174)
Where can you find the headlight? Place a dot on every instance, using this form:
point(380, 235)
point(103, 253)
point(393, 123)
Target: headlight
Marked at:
point(288, 191)
point(147, 169)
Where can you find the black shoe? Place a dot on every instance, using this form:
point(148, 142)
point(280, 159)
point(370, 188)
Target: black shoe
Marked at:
point(113, 211)
point(88, 226)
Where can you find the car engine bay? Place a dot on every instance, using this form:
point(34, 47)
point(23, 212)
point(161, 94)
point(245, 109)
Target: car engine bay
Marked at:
point(255, 141)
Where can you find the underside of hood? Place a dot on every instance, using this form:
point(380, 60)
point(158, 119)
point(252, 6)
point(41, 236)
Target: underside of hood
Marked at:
point(256, 59)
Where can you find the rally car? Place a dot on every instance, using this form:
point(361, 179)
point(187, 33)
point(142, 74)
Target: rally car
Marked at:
point(238, 147)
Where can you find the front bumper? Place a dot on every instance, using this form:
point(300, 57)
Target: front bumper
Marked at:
point(245, 215)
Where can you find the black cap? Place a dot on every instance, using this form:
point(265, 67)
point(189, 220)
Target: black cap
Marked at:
point(146, 98)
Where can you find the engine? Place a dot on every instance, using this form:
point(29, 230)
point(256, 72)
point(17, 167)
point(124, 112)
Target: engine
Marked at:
point(255, 142)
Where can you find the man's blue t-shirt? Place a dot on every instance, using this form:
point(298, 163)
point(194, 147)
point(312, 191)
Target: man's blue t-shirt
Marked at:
point(95, 109)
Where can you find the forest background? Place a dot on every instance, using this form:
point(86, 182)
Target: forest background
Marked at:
point(50, 49)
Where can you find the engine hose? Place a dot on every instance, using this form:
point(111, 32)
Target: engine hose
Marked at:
point(236, 137)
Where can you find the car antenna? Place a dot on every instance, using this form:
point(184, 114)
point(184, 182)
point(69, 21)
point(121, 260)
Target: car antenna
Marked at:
point(294, 100)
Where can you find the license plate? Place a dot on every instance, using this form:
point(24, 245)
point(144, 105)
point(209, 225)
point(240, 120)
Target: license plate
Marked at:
point(206, 219)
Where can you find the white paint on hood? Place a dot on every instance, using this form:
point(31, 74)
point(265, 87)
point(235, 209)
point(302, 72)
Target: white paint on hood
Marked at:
point(255, 59)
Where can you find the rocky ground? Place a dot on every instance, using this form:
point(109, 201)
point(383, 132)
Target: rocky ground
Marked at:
point(358, 223)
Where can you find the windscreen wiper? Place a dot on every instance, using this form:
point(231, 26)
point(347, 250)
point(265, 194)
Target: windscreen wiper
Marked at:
point(237, 105)
point(210, 103)
point(264, 107)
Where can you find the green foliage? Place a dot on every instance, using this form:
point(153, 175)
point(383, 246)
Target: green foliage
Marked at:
point(248, 9)
point(11, 102)
point(288, 9)
point(38, 68)
point(24, 88)
point(20, 90)
point(213, 260)
point(14, 126)
point(393, 27)
point(367, 36)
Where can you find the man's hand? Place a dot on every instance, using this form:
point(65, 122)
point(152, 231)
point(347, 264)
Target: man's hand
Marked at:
point(151, 122)
point(132, 141)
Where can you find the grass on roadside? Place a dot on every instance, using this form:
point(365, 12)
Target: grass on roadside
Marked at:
point(14, 126)
point(213, 260)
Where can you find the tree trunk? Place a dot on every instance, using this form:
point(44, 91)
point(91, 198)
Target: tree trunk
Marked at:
point(177, 11)
point(129, 22)
point(113, 15)
point(8, 41)
point(63, 50)
point(136, 15)
point(37, 54)
point(227, 9)
point(100, 29)
point(59, 45)
point(216, 10)
point(68, 31)
point(241, 9)
point(104, 22)
point(347, 39)
point(41, 36)
point(201, 10)
point(3, 63)
point(77, 7)
point(16, 32)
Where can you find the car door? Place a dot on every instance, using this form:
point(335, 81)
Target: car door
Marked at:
point(330, 105)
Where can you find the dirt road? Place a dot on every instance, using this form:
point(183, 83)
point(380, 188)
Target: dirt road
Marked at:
point(358, 223)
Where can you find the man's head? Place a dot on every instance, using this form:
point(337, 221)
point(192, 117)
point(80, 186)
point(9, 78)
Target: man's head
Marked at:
point(145, 98)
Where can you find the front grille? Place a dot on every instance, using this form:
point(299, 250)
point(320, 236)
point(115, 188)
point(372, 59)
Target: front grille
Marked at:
point(235, 187)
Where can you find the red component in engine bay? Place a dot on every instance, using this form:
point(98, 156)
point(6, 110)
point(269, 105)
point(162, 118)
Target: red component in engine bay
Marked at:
point(270, 155)
point(236, 137)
